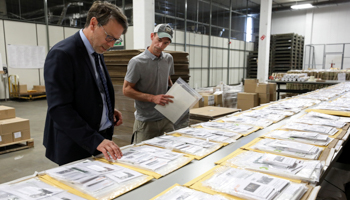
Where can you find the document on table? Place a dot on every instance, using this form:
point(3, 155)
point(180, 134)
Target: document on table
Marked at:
point(183, 100)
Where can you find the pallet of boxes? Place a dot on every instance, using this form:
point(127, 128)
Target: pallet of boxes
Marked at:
point(14, 131)
point(255, 94)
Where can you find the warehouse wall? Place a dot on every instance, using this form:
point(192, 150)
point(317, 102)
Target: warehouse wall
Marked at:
point(323, 25)
point(198, 49)
point(21, 33)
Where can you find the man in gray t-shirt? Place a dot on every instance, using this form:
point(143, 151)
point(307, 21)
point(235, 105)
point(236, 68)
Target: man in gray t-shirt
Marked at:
point(147, 80)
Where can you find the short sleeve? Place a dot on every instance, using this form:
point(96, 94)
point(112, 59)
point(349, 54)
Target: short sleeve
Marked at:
point(132, 74)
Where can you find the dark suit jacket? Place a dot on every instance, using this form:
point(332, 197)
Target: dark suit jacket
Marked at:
point(74, 103)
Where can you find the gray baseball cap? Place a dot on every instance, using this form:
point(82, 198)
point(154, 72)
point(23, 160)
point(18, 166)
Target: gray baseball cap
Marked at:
point(164, 30)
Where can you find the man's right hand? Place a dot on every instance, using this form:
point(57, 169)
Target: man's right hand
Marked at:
point(162, 99)
point(110, 147)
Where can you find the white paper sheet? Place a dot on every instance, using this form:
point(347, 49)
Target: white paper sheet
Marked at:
point(25, 56)
point(182, 102)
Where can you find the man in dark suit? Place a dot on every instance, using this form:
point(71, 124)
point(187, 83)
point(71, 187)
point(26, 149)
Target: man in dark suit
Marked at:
point(80, 96)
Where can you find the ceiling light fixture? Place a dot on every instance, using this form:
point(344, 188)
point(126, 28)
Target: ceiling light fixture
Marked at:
point(302, 6)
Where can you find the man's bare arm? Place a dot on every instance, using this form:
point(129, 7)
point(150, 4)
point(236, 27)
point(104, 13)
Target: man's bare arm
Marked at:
point(130, 91)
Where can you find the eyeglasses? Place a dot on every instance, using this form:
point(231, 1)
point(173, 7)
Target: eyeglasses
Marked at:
point(111, 38)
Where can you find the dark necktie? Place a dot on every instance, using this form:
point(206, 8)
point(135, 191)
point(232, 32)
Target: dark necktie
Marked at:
point(104, 83)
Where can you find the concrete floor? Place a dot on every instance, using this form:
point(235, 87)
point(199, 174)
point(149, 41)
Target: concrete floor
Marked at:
point(25, 162)
point(22, 163)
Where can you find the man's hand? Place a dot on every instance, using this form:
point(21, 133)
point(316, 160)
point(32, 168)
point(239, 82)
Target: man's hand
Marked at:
point(162, 99)
point(110, 147)
point(117, 115)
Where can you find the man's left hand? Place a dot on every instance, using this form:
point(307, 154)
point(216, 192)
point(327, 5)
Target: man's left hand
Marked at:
point(117, 115)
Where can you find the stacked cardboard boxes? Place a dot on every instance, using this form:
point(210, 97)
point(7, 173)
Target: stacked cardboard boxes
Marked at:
point(272, 91)
point(12, 128)
point(117, 62)
point(246, 100)
point(263, 91)
point(255, 93)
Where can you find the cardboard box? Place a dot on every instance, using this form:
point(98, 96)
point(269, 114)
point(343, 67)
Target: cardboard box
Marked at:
point(199, 104)
point(246, 100)
point(273, 97)
point(218, 100)
point(5, 139)
point(210, 112)
point(39, 88)
point(7, 112)
point(262, 88)
point(18, 127)
point(21, 135)
point(264, 98)
point(23, 89)
point(209, 99)
point(272, 88)
point(250, 85)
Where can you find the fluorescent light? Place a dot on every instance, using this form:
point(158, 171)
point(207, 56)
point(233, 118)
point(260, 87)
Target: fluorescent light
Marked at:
point(302, 6)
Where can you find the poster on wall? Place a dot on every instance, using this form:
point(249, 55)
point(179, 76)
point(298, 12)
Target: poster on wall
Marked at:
point(120, 44)
point(25, 56)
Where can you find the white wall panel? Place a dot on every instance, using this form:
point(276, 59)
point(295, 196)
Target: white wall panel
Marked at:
point(219, 57)
point(55, 34)
point(204, 78)
point(288, 22)
point(179, 36)
point(234, 59)
point(68, 31)
point(191, 38)
point(221, 42)
point(250, 46)
point(205, 41)
point(241, 45)
point(328, 25)
point(191, 82)
point(224, 58)
point(213, 77)
point(205, 57)
point(197, 79)
point(3, 58)
point(16, 37)
point(129, 38)
point(241, 59)
point(180, 47)
point(234, 44)
point(198, 39)
point(213, 58)
point(41, 30)
point(42, 41)
point(192, 55)
point(2, 43)
point(171, 47)
point(197, 56)
point(224, 76)
point(234, 76)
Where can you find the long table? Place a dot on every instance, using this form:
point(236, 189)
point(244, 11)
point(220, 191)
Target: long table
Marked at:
point(199, 167)
point(279, 83)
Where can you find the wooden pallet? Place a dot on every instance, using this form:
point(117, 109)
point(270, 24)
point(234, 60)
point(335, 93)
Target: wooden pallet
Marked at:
point(15, 146)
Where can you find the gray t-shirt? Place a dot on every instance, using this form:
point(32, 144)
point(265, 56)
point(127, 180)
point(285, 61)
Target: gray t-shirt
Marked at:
point(150, 74)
